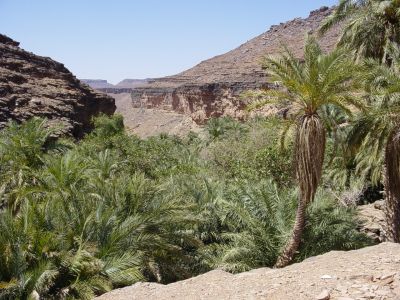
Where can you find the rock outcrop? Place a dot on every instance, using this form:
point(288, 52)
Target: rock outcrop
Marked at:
point(149, 122)
point(97, 83)
point(369, 273)
point(373, 219)
point(212, 88)
point(31, 85)
point(131, 83)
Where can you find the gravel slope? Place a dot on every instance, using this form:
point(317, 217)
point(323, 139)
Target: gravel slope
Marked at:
point(369, 273)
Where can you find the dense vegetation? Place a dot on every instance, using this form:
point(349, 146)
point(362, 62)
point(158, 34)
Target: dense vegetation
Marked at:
point(79, 218)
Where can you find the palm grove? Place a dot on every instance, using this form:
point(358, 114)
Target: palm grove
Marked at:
point(81, 218)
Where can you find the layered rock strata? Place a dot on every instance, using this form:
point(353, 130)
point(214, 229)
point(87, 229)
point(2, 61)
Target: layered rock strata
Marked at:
point(32, 85)
point(213, 87)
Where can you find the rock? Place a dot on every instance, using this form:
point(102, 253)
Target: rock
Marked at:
point(97, 83)
point(369, 295)
point(382, 293)
point(361, 276)
point(213, 87)
point(387, 281)
point(373, 220)
point(32, 85)
point(324, 295)
point(387, 276)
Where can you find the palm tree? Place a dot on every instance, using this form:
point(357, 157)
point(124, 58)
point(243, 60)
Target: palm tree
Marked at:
point(257, 218)
point(377, 134)
point(370, 26)
point(309, 86)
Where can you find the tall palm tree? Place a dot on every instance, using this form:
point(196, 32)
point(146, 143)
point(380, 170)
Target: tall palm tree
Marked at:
point(372, 28)
point(309, 86)
point(377, 131)
point(369, 26)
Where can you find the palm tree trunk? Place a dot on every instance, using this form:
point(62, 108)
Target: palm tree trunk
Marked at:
point(309, 157)
point(293, 244)
point(348, 178)
point(392, 186)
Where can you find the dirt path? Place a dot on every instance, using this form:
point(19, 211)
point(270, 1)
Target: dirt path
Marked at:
point(369, 273)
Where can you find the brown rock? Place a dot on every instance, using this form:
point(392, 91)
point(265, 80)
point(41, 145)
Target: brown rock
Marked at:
point(213, 87)
point(31, 85)
point(373, 220)
point(324, 295)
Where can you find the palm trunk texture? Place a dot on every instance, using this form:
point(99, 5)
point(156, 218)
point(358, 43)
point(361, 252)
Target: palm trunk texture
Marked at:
point(309, 157)
point(392, 186)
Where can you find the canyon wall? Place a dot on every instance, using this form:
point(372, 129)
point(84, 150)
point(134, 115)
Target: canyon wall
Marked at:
point(213, 87)
point(32, 85)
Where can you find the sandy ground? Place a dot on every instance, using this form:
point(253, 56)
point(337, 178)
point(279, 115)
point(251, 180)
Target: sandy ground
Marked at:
point(369, 273)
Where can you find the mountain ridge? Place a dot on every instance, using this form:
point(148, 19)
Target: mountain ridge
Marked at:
point(213, 87)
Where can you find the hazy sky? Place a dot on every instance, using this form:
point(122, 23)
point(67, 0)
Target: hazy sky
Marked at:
point(120, 39)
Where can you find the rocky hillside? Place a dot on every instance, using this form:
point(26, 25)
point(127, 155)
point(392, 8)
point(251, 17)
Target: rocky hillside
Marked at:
point(97, 83)
point(149, 122)
point(131, 83)
point(212, 88)
point(32, 85)
point(369, 273)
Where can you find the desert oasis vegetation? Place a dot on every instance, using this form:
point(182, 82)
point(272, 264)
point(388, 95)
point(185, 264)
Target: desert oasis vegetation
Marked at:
point(269, 172)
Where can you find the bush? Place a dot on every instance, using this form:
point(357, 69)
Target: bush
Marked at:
point(80, 218)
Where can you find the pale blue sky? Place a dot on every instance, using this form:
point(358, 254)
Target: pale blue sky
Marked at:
point(121, 39)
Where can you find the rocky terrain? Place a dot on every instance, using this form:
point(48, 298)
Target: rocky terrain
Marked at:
point(131, 83)
point(212, 88)
point(124, 84)
point(369, 273)
point(147, 122)
point(97, 83)
point(373, 219)
point(31, 85)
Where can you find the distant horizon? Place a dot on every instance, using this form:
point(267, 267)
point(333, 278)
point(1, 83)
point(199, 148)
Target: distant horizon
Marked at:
point(113, 41)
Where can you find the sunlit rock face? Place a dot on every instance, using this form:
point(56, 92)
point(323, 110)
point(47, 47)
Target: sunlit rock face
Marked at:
point(32, 85)
point(213, 87)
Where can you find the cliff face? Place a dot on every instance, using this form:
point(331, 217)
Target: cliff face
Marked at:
point(131, 83)
point(97, 83)
point(32, 85)
point(212, 88)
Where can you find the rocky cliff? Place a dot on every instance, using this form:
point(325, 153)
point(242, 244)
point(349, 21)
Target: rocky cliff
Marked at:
point(212, 88)
point(97, 83)
point(32, 85)
point(131, 83)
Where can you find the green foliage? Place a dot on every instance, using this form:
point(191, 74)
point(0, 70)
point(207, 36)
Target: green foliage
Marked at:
point(259, 219)
point(254, 153)
point(108, 126)
point(218, 127)
point(368, 27)
point(79, 219)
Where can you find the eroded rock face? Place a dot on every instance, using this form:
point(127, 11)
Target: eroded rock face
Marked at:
point(97, 83)
point(31, 85)
point(212, 88)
